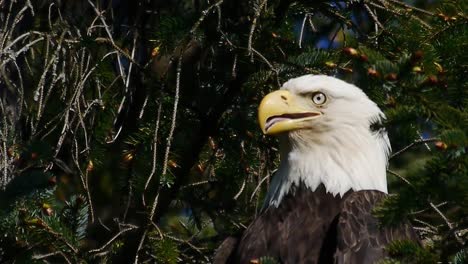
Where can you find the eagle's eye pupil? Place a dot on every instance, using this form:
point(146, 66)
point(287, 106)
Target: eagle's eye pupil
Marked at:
point(319, 98)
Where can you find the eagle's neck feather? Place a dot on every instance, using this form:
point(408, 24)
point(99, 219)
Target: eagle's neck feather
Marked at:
point(354, 160)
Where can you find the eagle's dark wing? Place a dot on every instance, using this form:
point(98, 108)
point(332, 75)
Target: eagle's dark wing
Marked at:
point(261, 238)
point(294, 232)
point(360, 239)
point(224, 252)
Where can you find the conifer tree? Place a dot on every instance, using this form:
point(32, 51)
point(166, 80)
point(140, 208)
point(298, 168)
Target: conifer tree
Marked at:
point(128, 129)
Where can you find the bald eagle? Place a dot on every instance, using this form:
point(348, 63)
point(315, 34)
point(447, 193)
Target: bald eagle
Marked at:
point(332, 173)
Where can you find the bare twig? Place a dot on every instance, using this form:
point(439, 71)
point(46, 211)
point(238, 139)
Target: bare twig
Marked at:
point(311, 23)
point(194, 184)
point(46, 255)
point(161, 234)
point(112, 239)
point(240, 191)
point(103, 225)
point(259, 185)
point(426, 224)
point(197, 249)
point(441, 215)
point(205, 13)
point(111, 38)
point(302, 30)
point(234, 68)
point(265, 60)
point(399, 176)
point(55, 253)
point(258, 11)
point(448, 223)
point(155, 148)
point(171, 131)
point(373, 16)
point(120, 50)
point(425, 230)
point(143, 107)
point(58, 236)
point(269, 64)
point(25, 48)
point(140, 245)
point(415, 143)
point(424, 210)
point(240, 225)
point(396, 11)
point(83, 178)
point(412, 7)
point(166, 155)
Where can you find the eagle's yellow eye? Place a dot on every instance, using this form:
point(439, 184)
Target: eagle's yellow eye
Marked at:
point(319, 98)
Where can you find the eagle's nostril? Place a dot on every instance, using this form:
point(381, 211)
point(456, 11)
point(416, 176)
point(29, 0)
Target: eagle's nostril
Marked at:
point(284, 97)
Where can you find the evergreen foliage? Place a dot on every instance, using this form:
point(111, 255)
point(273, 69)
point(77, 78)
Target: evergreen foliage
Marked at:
point(128, 129)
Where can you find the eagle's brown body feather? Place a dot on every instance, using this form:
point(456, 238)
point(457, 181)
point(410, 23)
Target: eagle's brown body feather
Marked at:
point(316, 227)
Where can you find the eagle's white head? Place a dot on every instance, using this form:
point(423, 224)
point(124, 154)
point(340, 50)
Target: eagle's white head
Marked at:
point(325, 128)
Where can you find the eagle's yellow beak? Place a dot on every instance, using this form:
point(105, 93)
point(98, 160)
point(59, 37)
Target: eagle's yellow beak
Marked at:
point(280, 112)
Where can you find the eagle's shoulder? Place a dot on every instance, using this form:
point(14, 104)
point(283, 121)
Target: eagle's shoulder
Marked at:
point(360, 237)
point(361, 202)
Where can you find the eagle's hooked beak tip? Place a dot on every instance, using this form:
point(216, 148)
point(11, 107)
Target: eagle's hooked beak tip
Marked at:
point(279, 112)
